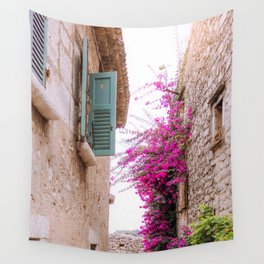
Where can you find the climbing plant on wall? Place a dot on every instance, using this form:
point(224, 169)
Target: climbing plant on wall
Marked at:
point(155, 164)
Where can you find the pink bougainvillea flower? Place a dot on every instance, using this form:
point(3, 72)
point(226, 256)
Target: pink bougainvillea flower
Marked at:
point(155, 165)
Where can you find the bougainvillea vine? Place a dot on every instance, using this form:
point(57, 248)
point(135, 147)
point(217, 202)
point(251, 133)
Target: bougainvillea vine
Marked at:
point(155, 164)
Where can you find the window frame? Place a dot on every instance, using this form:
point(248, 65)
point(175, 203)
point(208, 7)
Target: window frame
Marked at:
point(217, 111)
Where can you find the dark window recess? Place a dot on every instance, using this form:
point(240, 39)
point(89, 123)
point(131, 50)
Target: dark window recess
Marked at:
point(93, 246)
point(217, 118)
point(182, 196)
point(38, 45)
point(218, 121)
point(121, 245)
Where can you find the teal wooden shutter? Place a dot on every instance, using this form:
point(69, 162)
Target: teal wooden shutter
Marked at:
point(38, 45)
point(84, 88)
point(102, 116)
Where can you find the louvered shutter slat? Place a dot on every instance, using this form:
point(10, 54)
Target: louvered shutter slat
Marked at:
point(39, 19)
point(38, 41)
point(38, 29)
point(37, 68)
point(38, 45)
point(102, 116)
point(38, 56)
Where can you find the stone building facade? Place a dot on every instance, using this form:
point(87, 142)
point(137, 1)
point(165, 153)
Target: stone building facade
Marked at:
point(70, 185)
point(205, 85)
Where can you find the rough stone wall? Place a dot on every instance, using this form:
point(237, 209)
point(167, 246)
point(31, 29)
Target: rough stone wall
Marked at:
point(58, 181)
point(207, 69)
point(69, 203)
point(125, 243)
point(98, 202)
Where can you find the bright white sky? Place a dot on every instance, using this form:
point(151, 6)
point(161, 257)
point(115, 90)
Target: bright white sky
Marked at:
point(144, 46)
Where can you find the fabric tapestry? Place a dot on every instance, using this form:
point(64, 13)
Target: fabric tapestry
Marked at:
point(131, 135)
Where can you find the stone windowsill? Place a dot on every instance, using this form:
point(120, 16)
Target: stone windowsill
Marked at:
point(86, 154)
point(43, 101)
point(45, 105)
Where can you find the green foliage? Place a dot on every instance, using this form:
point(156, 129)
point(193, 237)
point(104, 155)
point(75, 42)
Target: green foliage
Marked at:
point(210, 227)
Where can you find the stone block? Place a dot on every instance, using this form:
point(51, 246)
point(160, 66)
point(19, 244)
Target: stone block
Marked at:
point(53, 36)
point(66, 38)
point(65, 67)
point(39, 227)
point(93, 236)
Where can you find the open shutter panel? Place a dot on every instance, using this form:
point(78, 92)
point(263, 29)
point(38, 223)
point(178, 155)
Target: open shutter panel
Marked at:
point(102, 116)
point(84, 87)
point(38, 45)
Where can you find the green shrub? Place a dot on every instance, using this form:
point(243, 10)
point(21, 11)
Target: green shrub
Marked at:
point(210, 227)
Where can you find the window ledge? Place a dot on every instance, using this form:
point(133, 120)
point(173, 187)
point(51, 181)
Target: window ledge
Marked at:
point(86, 154)
point(43, 101)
